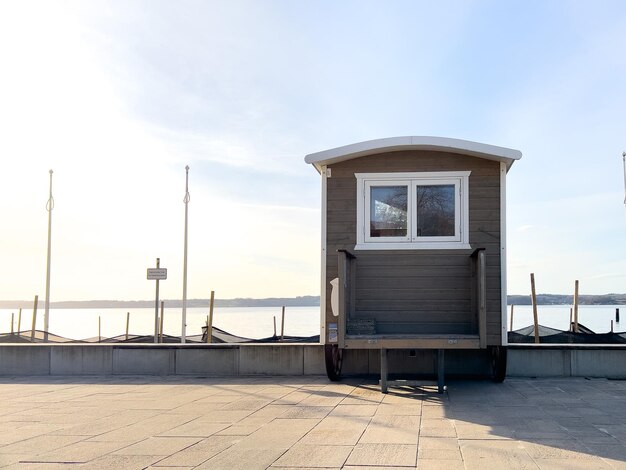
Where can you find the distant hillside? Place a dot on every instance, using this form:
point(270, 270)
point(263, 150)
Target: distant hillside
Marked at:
point(556, 299)
point(302, 301)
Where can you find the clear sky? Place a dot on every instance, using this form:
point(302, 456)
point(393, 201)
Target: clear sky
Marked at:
point(117, 97)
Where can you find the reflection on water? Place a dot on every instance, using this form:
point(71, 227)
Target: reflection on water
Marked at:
point(596, 317)
point(259, 322)
point(247, 322)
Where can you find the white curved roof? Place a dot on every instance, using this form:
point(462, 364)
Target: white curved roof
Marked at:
point(394, 144)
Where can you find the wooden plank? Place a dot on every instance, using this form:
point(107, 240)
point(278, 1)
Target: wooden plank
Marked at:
point(335, 183)
point(411, 258)
point(416, 306)
point(481, 191)
point(432, 283)
point(367, 272)
point(442, 295)
point(341, 320)
point(415, 316)
point(576, 306)
point(534, 301)
point(484, 215)
point(397, 328)
point(482, 298)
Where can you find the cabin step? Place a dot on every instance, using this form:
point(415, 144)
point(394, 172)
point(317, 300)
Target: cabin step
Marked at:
point(384, 371)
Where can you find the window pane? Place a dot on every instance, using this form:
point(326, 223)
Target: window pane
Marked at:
point(435, 211)
point(388, 211)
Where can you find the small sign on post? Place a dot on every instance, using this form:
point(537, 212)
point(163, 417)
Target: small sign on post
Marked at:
point(157, 274)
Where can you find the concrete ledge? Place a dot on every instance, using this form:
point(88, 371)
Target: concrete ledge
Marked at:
point(271, 359)
point(17, 360)
point(294, 359)
point(143, 361)
point(207, 361)
point(69, 360)
point(566, 362)
point(314, 362)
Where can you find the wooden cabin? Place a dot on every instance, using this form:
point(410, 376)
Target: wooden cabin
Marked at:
point(414, 248)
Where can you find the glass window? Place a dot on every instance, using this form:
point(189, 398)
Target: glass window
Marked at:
point(400, 211)
point(434, 210)
point(388, 211)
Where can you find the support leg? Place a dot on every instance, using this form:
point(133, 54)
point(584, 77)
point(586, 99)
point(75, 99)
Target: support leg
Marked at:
point(383, 370)
point(440, 371)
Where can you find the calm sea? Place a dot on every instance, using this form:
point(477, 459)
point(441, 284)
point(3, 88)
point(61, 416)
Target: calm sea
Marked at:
point(255, 322)
point(259, 322)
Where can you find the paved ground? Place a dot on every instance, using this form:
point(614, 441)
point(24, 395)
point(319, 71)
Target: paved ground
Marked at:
point(307, 422)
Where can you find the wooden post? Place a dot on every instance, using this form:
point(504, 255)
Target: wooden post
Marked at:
point(616, 315)
point(534, 299)
point(19, 321)
point(156, 306)
point(611, 326)
point(576, 306)
point(209, 331)
point(440, 371)
point(161, 324)
point(481, 272)
point(512, 307)
point(569, 328)
point(99, 329)
point(32, 331)
point(383, 370)
point(12, 320)
point(274, 326)
point(282, 326)
point(127, 323)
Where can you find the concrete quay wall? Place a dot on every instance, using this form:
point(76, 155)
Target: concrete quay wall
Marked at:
point(291, 359)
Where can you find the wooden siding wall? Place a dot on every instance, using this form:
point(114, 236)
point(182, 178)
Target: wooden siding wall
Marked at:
point(427, 291)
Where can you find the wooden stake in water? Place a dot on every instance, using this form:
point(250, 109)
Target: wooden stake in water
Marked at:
point(206, 323)
point(512, 307)
point(99, 329)
point(274, 326)
point(576, 306)
point(161, 326)
point(156, 306)
point(19, 320)
point(611, 326)
point(570, 319)
point(32, 331)
point(210, 326)
point(534, 299)
point(127, 323)
point(282, 326)
point(12, 319)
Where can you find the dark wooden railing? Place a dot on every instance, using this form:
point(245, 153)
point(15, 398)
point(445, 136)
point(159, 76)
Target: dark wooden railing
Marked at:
point(346, 266)
point(480, 268)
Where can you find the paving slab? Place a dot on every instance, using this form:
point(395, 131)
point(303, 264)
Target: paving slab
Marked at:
point(383, 454)
point(307, 422)
point(314, 456)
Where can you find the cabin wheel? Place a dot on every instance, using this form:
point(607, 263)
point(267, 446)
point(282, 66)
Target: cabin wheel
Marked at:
point(498, 363)
point(334, 358)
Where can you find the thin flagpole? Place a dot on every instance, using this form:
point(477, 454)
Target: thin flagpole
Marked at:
point(46, 314)
point(186, 201)
point(624, 162)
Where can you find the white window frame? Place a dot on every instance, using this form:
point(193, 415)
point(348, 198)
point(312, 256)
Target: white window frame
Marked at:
point(460, 180)
point(368, 184)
